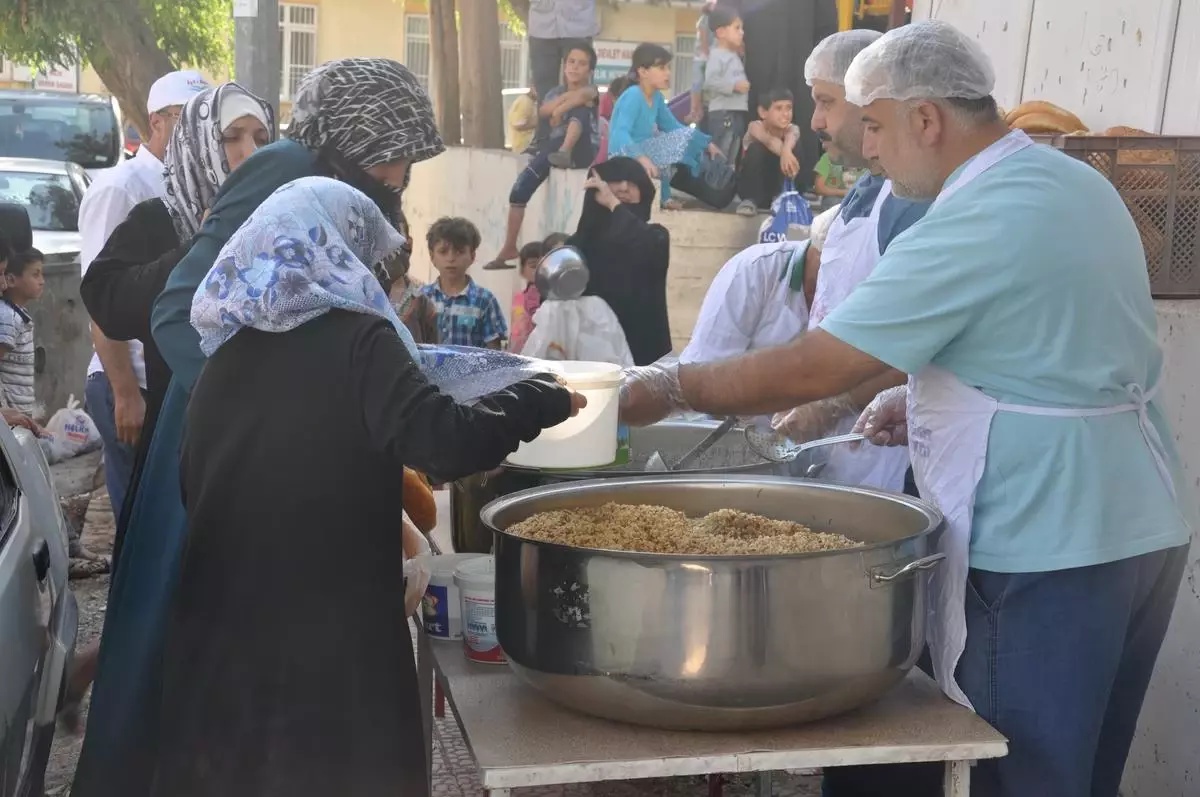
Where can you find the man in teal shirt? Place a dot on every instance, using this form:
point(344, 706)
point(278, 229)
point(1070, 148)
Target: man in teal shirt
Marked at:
point(1020, 307)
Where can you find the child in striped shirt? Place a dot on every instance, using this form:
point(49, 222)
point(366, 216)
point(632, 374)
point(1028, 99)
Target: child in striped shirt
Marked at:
point(23, 284)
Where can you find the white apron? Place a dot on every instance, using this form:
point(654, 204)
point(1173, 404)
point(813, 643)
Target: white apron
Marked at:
point(948, 427)
point(850, 255)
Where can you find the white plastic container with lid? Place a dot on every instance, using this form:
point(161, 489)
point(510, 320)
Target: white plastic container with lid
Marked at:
point(476, 582)
point(589, 440)
point(441, 608)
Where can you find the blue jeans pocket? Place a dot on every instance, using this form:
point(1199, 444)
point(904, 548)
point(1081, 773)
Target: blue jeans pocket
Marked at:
point(987, 589)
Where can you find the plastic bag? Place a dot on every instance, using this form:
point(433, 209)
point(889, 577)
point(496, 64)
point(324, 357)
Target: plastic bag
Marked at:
point(69, 433)
point(417, 568)
point(466, 373)
point(578, 329)
point(791, 218)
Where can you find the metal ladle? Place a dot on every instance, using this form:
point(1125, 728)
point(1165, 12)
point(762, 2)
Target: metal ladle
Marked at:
point(656, 463)
point(774, 447)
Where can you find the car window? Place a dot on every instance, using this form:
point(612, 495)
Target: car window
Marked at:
point(50, 199)
point(9, 499)
point(85, 133)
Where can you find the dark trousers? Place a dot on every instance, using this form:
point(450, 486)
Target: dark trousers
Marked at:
point(538, 168)
point(1058, 662)
point(545, 62)
point(759, 178)
point(727, 129)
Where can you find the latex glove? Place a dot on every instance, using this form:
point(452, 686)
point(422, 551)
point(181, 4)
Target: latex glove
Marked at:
point(885, 420)
point(651, 392)
point(816, 419)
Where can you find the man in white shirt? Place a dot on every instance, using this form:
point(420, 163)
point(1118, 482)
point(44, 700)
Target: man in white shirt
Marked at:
point(117, 373)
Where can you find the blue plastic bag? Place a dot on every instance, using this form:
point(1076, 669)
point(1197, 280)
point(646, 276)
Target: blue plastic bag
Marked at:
point(789, 209)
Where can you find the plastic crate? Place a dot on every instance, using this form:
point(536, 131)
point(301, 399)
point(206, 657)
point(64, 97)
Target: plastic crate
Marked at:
point(1159, 179)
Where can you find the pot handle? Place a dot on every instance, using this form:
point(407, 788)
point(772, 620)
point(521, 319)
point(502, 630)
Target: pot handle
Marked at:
point(879, 575)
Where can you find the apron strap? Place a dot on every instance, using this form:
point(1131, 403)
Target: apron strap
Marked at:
point(1139, 402)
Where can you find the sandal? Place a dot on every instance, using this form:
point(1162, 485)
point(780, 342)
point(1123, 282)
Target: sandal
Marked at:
point(499, 264)
point(672, 204)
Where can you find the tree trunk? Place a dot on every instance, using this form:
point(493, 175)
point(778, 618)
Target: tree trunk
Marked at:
point(129, 60)
point(483, 105)
point(443, 37)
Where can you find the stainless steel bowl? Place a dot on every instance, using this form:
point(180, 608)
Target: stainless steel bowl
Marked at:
point(672, 439)
point(562, 274)
point(716, 642)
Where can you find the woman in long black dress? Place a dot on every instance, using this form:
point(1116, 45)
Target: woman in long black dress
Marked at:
point(289, 669)
point(627, 256)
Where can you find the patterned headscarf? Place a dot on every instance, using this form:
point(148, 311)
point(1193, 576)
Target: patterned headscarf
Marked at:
point(368, 110)
point(195, 163)
point(303, 252)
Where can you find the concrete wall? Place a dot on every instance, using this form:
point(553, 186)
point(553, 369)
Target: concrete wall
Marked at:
point(475, 184)
point(62, 336)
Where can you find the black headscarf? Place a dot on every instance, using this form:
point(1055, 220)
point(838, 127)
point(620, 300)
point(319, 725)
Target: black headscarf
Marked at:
point(627, 258)
point(595, 219)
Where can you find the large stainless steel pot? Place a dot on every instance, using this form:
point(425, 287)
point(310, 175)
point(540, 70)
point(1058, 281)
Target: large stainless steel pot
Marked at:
point(672, 439)
point(716, 642)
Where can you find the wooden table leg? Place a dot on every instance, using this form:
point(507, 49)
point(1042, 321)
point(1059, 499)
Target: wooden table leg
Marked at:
point(716, 785)
point(762, 784)
point(957, 782)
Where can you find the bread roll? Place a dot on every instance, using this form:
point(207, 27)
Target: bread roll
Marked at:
point(418, 501)
point(1042, 123)
point(1068, 122)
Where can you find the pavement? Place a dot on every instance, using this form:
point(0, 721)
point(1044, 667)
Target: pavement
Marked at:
point(454, 772)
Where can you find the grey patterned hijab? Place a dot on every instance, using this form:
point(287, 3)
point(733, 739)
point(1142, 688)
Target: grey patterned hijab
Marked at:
point(368, 110)
point(195, 163)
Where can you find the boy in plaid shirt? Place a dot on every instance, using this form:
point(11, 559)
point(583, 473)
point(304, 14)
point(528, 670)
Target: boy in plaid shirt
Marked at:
point(467, 314)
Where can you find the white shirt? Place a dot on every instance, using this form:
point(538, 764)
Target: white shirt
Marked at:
point(105, 205)
point(751, 304)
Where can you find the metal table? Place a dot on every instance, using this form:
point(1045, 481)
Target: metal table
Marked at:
point(519, 739)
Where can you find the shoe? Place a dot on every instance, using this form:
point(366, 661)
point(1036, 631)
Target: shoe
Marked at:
point(560, 159)
point(747, 208)
point(498, 265)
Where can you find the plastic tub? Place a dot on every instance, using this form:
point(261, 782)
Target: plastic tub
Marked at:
point(589, 440)
point(476, 582)
point(441, 608)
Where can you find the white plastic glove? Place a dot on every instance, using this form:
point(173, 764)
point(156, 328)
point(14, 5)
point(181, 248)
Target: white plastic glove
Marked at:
point(885, 420)
point(651, 392)
point(816, 419)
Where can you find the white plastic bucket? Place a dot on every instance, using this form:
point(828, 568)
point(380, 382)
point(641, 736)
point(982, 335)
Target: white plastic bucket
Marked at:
point(589, 440)
point(441, 608)
point(476, 582)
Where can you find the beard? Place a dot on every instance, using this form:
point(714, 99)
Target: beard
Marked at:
point(849, 143)
point(916, 189)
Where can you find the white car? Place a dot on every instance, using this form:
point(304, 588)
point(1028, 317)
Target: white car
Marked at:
point(50, 192)
point(39, 617)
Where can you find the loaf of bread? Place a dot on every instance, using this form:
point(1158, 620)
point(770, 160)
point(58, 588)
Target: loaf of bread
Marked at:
point(1064, 120)
point(1042, 123)
point(418, 501)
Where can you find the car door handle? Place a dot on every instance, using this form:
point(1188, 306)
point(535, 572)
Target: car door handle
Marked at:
point(41, 561)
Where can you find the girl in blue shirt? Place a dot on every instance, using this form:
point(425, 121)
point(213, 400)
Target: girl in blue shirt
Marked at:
point(644, 128)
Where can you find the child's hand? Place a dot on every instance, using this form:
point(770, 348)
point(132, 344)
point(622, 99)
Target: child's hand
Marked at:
point(789, 165)
point(715, 151)
point(649, 166)
point(556, 117)
point(742, 87)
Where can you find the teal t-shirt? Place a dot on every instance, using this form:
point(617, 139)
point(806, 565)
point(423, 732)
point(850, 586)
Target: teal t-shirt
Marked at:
point(1030, 284)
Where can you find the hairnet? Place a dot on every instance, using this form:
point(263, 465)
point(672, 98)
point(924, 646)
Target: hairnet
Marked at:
point(831, 57)
point(925, 60)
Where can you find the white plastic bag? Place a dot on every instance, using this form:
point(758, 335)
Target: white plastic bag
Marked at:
point(69, 433)
point(578, 329)
point(417, 567)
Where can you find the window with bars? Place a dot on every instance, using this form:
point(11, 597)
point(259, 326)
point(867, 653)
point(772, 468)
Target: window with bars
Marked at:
point(418, 52)
point(681, 65)
point(298, 44)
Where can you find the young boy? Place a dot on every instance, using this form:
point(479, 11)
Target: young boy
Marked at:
point(522, 121)
point(830, 181)
point(467, 314)
point(772, 152)
point(699, 60)
point(23, 284)
point(572, 144)
point(725, 84)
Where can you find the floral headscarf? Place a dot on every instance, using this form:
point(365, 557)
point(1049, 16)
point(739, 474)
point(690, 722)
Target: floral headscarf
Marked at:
point(303, 252)
point(195, 162)
point(368, 111)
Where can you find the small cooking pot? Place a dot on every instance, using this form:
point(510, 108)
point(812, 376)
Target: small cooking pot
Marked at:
point(561, 274)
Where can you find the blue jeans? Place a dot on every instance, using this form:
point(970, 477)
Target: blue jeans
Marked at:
point(1058, 662)
point(538, 168)
point(118, 457)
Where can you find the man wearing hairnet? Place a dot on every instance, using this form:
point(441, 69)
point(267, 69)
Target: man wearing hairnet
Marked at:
point(869, 218)
point(1020, 307)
